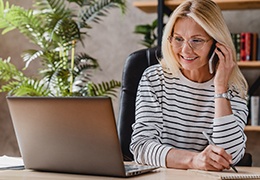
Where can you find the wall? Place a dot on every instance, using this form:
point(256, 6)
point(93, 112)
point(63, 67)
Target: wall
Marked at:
point(110, 41)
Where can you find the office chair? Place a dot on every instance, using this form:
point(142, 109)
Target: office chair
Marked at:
point(134, 67)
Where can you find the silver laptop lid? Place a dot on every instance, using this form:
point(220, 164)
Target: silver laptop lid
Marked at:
point(74, 135)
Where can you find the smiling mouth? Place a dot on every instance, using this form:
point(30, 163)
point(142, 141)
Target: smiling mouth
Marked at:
point(188, 59)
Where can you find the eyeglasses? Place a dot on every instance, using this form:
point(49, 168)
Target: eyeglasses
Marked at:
point(194, 43)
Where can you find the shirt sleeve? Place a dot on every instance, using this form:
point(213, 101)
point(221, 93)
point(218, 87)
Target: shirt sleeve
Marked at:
point(146, 143)
point(228, 131)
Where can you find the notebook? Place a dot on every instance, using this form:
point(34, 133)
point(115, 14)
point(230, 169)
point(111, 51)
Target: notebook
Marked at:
point(70, 135)
point(229, 174)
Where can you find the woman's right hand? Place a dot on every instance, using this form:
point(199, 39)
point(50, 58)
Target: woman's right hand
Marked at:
point(212, 158)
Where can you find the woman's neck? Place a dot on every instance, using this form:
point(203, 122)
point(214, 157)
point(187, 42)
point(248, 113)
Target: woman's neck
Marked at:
point(197, 76)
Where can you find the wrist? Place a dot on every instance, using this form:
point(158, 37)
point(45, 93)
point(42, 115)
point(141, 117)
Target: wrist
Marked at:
point(220, 90)
point(192, 164)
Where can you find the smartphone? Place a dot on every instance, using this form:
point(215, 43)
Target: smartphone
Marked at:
point(213, 60)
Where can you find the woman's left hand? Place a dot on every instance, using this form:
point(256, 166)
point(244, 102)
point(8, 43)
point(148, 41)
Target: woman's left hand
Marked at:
point(224, 69)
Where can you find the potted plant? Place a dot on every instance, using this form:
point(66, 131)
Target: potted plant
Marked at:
point(56, 28)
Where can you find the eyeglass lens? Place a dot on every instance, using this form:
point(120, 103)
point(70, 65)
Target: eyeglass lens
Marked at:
point(194, 43)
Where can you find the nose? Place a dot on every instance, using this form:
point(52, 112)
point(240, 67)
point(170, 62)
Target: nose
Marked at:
point(186, 47)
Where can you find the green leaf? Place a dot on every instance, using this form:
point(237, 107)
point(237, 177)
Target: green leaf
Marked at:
point(99, 8)
point(7, 29)
point(30, 55)
point(149, 33)
point(101, 89)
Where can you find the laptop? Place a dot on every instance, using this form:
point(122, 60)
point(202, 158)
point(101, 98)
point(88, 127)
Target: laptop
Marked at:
point(70, 135)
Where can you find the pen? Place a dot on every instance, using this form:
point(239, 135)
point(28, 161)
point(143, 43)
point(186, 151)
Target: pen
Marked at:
point(211, 142)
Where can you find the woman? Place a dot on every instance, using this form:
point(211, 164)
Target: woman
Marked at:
point(179, 98)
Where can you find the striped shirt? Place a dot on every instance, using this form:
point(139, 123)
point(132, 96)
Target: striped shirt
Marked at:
point(172, 112)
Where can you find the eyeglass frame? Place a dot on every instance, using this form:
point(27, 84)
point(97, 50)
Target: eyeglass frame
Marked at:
point(188, 41)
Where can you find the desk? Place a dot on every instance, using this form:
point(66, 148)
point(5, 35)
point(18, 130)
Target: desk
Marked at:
point(159, 174)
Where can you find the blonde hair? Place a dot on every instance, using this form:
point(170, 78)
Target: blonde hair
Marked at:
point(208, 15)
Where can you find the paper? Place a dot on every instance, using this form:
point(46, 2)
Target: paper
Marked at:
point(7, 162)
point(229, 174)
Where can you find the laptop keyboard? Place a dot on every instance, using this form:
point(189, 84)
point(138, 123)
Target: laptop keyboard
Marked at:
point(132, 167)
point(129, 167)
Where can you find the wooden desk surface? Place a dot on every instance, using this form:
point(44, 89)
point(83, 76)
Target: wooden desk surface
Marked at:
point(159, 174)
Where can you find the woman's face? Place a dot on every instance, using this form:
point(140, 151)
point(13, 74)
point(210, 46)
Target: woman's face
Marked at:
point(191, 45)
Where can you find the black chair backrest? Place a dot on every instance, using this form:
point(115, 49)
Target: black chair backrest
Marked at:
point(134, 67)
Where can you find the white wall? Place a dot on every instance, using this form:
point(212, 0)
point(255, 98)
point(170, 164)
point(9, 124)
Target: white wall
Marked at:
point(110, 42)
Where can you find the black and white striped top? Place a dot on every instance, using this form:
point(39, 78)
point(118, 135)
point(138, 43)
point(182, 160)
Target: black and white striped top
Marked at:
point(172, 112)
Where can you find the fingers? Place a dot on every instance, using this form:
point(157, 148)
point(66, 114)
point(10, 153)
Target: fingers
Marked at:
point(225, 55)
point(220, 151)
point(217, 158)
point(224, 68)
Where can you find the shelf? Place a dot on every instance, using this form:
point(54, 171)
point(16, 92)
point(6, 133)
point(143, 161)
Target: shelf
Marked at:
point(249, 64)
point(150, 6)
point(252, 128)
